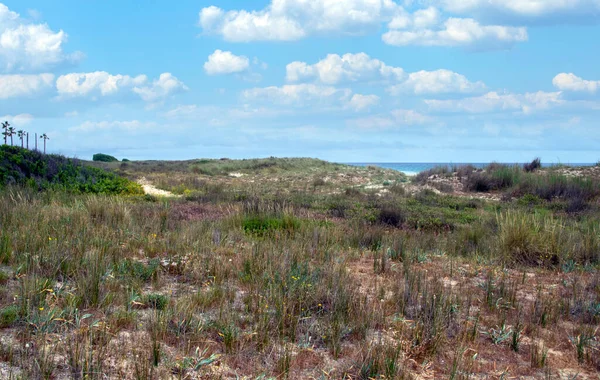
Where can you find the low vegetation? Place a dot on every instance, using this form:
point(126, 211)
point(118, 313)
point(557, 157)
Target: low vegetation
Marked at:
point(272, 274)
point(39, 171)
point(101, 157)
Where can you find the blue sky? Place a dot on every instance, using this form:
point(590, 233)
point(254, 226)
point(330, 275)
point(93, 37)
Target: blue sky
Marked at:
point(342, 80)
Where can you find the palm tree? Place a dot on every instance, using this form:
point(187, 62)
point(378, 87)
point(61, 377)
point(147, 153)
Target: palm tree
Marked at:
point(5, 126)
point(45, 137)
point(11, 132)
point(21, 133)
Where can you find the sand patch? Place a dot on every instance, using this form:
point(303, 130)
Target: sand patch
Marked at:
point(150, 189)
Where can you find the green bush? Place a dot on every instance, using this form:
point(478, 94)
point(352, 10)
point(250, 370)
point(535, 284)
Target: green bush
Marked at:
point(9, 315)
point(101, 157)
point(33, 169)
point(531, 239)
point(157, 301)
point(261, 225)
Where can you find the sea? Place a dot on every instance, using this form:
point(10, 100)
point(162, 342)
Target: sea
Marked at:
point(414, 168)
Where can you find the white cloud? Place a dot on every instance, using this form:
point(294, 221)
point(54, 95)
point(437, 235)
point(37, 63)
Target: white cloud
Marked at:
point(18, 121)
point(523, 8)
point(495, 102)
point(25, 46)
point(319, 97)
point(372, 122)
point(571, 82)
point(101, 83)
point(167, 84)
point(410, 117)
point(397, 118)
point(182, 111)
point(421, 19)
point(288, 20)
point(298, 94)
point(129, 126)
point(336, 69)
point(24, 85)
point(360, 102)
point(436, 82)
point(225, 62)
point(464, 32)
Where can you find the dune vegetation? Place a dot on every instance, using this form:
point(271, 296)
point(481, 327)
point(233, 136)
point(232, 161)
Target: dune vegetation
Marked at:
point(297, 268)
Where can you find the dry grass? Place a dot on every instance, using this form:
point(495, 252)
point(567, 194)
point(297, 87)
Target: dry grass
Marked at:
point(238, 282)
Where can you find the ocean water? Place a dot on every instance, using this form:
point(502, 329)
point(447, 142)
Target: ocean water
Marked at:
point(414, 168)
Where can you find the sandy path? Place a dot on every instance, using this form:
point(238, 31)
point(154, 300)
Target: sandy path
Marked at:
point(149, 188)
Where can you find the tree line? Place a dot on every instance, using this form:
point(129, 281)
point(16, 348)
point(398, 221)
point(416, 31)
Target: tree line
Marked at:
point(8, 132)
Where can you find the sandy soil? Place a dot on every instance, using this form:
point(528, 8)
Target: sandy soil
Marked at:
point(149, 188)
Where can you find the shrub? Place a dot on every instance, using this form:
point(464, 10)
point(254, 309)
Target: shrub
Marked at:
point(261, 225)
point(391, 215)
point(157, 301)
point(479, 182)
point(101, 157)
point(555, 185)
point(33, 169)
point(531, 238)
point(495, 177)
point(465, 170)
point(533, 165)
point(338, 208)
point(318, 182)
point(9, 315)
point(423, 176)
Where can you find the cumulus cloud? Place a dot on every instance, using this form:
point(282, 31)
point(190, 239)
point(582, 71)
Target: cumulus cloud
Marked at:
point(335, 69)
point(129, 126)
point(18, 121)
point(350, 68)
point(101, 83)
point(309, 94)
point(225, 62)
point(571, 82)
point(436, 82)
point(524, 10)
point(461, 32)
point(360, 102)
point(25, 46)
point(288, 20)
point(166, 85)
point(12, 86)
point(494, 102)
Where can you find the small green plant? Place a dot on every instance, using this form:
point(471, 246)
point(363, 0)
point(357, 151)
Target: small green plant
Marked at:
point(9, 315)
point(539, 354)
point(156, 301)
point(516, 336)
point(261, 225)
point(584, 342)
point(500, 334)
point(230, 334)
